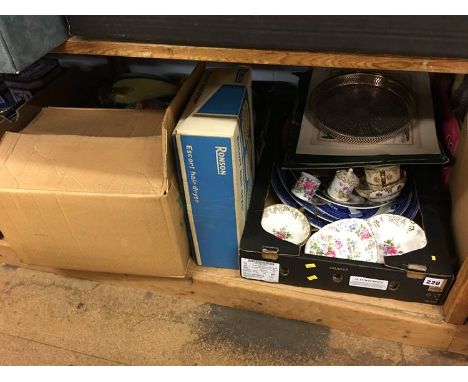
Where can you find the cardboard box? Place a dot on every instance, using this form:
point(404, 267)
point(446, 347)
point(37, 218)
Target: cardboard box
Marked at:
point(214, 140)
point(96, 190)
point(424, 275)
point(459, 191)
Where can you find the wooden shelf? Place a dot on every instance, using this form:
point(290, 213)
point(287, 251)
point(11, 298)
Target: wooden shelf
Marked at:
point(392, 320)
point(411, 323)
point(265, 57)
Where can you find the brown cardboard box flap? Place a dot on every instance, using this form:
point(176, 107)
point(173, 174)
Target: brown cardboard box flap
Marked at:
point(66, 163)
point(171, 117)
point(124, 123)
point(118, 151)
point(91, 151)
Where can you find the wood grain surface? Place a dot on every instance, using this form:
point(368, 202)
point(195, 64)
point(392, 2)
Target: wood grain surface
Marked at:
point(399, 321)
point(79, 46)
point(456, 305)
point(460, 341)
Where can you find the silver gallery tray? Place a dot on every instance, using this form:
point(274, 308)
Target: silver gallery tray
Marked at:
point(361, 108)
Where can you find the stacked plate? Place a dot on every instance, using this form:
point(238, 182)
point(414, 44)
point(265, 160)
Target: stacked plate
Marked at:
point(324, 210)
point(369, 240)
point(384, 194)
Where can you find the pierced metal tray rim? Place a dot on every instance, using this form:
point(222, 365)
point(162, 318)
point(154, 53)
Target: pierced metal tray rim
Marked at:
point(373, 79)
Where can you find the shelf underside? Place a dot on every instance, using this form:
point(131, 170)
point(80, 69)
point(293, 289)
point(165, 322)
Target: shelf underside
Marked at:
point(264, 57)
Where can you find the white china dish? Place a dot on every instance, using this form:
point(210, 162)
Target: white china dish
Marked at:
point(350, 239)
point(286, 223)
point(396, 235)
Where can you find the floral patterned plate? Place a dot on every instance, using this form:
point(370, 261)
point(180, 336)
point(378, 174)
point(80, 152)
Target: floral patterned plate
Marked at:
point(350, 239)
point(396, 235)
point(286, 223)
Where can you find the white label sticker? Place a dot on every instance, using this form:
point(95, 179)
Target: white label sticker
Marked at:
point(364, 282)
point(260, 270)
point(438, 283)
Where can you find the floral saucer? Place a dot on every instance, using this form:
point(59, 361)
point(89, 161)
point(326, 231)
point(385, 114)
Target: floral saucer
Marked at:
point(355, 201)
point(350, 239)
point(386, 198)
point(286, 223)
point(396, 235)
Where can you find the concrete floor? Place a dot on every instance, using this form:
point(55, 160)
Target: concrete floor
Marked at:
point(47, 319)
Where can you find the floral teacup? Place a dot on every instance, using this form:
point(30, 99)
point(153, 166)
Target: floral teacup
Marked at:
point(343, 185)
point(382, 176)
point(305, 187)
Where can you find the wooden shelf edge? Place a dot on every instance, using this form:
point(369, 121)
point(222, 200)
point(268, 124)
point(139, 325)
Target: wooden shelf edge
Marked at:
point(409, 323)
point(79, 46)
point(456, 305)
point(460, 341)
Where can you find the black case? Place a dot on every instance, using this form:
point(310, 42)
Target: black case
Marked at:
point(405, 274)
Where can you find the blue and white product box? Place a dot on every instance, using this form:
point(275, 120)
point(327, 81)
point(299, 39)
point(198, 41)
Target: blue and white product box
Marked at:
point(214, 140)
